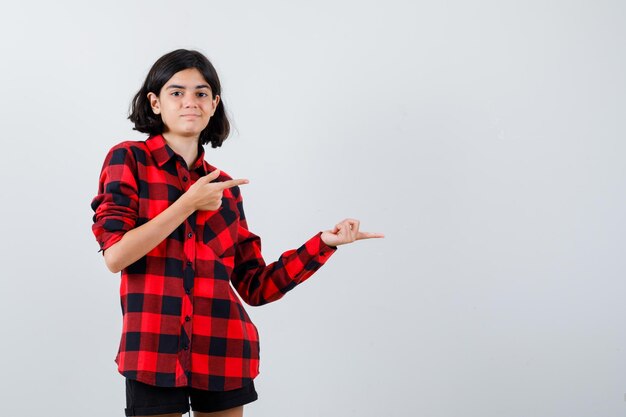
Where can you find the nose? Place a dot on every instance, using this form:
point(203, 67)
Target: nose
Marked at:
point(190, 101)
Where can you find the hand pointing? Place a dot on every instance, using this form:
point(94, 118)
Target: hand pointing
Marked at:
point(207, 195)
point(347, 231)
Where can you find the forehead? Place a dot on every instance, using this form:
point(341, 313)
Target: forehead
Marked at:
point(190, 77)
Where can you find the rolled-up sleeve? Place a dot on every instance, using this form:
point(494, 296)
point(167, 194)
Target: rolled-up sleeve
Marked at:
point(116, 204)
point(258, 283)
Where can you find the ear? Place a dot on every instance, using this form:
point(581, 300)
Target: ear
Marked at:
point(216, 101)
point(154, 103)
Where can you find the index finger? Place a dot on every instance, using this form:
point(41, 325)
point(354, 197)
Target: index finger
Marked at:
point(231, 183)
point(369, 235)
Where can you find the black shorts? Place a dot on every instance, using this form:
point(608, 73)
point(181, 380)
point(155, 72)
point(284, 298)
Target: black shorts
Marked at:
point(146, 400)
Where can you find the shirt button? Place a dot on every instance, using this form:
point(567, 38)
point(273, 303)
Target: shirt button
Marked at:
point(189, 235)
point(187, 318)
point(187, 291)
point(189, 263)
point(186, 347)
point(184, 179)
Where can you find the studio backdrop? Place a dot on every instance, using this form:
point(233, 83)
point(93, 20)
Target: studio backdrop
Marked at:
point(485, 139)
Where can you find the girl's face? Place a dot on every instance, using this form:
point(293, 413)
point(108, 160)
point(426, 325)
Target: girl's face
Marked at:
point(185, 103)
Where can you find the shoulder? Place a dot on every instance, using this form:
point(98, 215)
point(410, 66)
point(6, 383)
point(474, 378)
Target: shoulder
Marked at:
point(127, 152)
point(129, 145)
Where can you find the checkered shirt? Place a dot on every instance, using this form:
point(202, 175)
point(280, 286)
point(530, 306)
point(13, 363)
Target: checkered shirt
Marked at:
point(183, 323)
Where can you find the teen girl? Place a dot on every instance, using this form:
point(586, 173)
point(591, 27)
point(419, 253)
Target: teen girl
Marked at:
point(175, 227)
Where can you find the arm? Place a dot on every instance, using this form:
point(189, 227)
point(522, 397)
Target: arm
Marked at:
point(258, 283)
point(116, 210)
point(116, 207)
point(137, 242)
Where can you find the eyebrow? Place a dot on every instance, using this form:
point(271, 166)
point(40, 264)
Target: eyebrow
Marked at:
point(198, 87)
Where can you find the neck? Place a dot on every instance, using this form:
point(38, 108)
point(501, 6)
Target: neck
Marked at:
point(187, 147)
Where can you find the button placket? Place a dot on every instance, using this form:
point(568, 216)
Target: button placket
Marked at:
point(189, 248)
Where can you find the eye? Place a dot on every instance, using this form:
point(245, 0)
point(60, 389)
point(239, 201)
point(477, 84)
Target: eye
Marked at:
point(203, 95)
point(177, 93)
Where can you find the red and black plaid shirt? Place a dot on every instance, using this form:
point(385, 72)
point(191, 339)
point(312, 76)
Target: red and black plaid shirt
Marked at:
point(183, 324)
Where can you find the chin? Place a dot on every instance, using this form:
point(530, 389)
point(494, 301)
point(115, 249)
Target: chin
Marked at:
point(191, 132)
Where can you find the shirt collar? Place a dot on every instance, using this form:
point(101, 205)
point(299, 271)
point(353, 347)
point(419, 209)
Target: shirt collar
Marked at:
point(162, 153)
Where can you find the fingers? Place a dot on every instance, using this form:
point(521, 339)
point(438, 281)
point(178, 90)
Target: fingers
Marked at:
point(213, 175)
point(368, 235)
point(352, 228)
point(232, 183)
point(347, 231)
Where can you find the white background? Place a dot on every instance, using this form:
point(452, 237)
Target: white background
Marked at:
point(485, 138)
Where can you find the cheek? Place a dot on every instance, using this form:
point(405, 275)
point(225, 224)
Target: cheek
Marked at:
point(165, 116)
point(208, 110)
point(168, 112)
